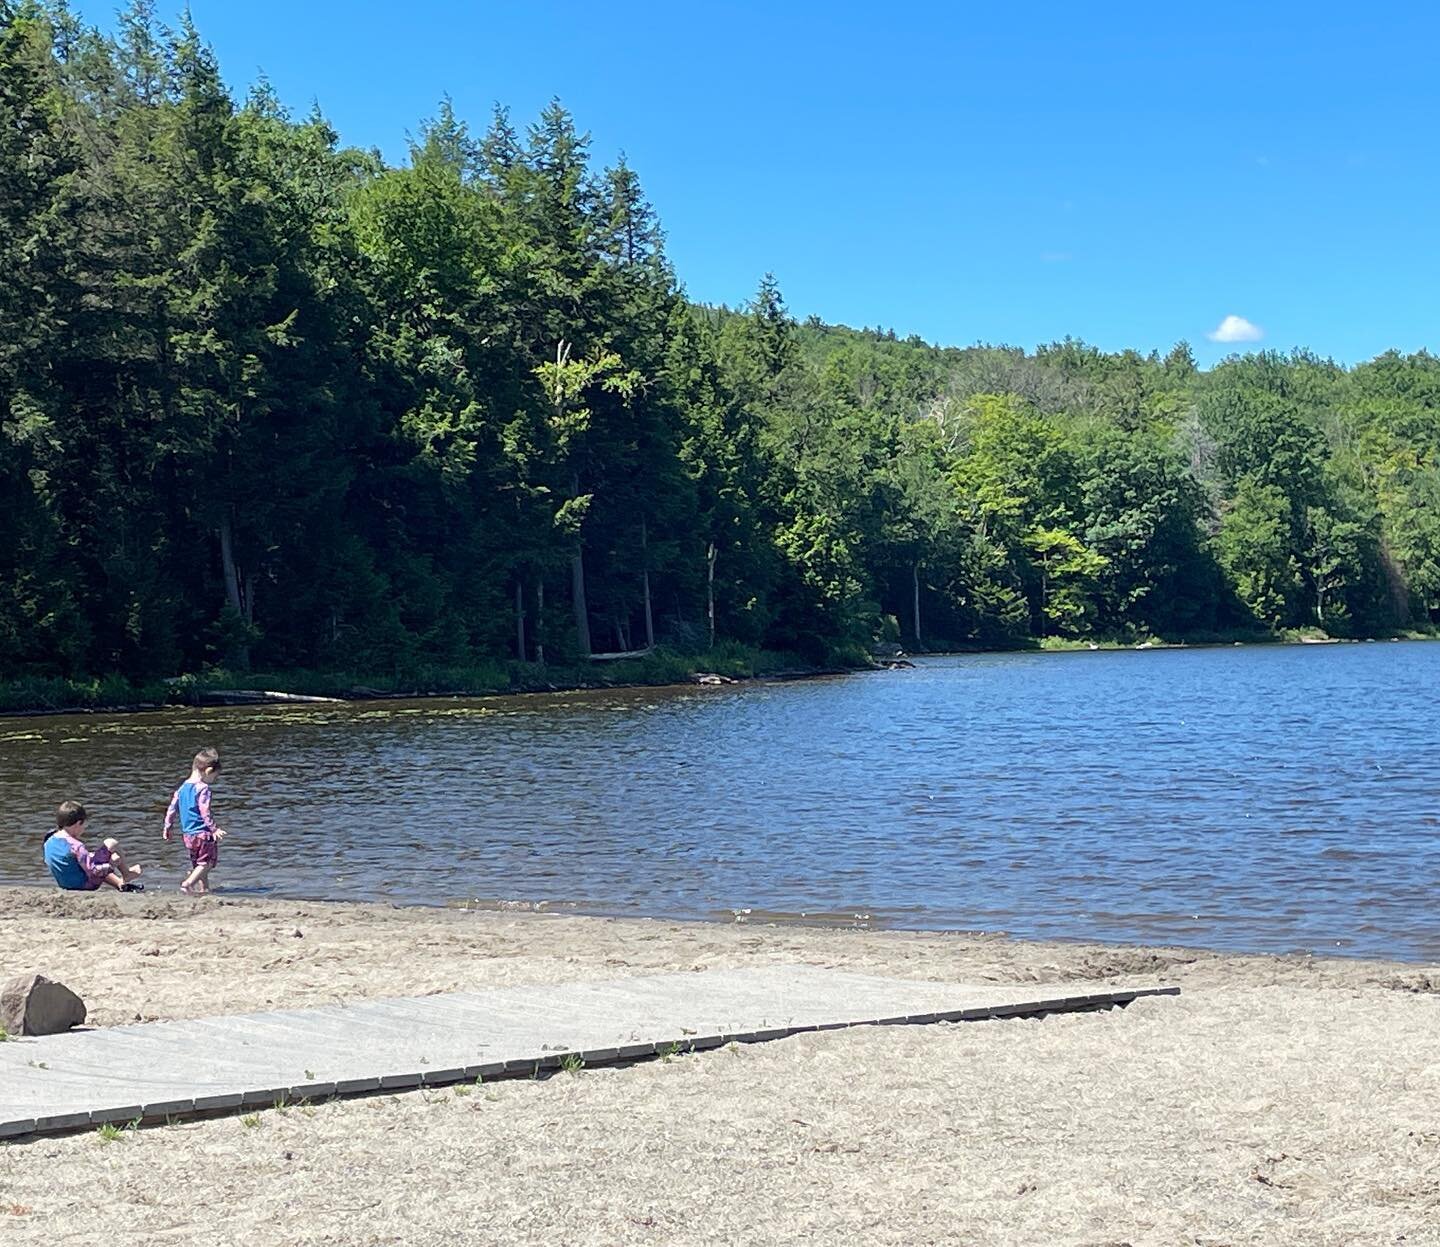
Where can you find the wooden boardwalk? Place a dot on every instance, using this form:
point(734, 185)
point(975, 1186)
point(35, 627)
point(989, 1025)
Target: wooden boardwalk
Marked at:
point(176, 1069)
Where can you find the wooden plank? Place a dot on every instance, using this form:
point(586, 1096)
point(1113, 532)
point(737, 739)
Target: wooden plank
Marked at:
point(177, 1069)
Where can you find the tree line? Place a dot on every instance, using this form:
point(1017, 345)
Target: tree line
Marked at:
point(267, 399)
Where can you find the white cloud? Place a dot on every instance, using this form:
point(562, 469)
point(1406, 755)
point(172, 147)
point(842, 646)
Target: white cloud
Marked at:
point(1235, 329)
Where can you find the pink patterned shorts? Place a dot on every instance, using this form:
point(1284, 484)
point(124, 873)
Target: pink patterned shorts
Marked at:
point(98, 869)
point(204, 849)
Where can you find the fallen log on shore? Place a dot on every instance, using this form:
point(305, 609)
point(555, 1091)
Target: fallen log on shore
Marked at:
point(253, 697)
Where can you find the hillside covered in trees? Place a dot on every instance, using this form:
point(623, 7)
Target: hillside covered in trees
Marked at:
point(267, 400)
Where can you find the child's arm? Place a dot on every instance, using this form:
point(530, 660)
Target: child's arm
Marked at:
point(171, 813)
point(202, 803)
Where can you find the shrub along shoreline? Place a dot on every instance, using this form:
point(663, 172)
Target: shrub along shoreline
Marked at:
point(730, 662)
point(116, 694)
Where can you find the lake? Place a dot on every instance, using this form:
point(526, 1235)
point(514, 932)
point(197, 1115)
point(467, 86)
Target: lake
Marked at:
point(1267, 798)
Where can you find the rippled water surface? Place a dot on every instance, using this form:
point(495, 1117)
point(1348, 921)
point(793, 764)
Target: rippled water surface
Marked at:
point(1268, 798)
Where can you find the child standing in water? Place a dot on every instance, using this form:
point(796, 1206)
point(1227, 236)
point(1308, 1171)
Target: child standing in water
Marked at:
point(191, 804)
point(79, 869)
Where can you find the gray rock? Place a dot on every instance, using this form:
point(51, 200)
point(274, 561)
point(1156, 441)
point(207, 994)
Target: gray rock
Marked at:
point(31, 1004)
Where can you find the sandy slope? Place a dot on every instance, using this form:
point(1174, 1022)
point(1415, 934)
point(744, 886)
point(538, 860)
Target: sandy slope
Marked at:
point(1278, 1100)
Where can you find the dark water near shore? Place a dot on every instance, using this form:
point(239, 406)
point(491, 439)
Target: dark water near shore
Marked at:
point(1249, 798)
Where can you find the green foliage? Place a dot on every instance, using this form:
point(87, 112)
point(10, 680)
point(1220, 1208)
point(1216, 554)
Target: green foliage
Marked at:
point(1255, 550)
point(270, 403)
point(1069, 573)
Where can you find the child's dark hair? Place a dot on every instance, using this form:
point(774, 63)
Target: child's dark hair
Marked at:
point(208, 759)
point(69, 814)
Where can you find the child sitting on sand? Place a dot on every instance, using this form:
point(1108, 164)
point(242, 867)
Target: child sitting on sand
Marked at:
point(191, 803)
point(76, 868)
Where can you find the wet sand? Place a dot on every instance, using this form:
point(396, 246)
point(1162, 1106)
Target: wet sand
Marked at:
point(1278, 1100)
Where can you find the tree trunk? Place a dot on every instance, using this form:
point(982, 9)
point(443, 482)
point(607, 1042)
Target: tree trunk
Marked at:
point(520, 618)
point(645, 577)
point(577, 596)
point(519, 597)
point(577, 570)
point(710, 591)
point(540, 620)
point(915, 578)
point(1044, 597)
point(235, 591)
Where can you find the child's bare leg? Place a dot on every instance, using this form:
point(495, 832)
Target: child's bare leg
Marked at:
point(195, 880)
point(117, 860)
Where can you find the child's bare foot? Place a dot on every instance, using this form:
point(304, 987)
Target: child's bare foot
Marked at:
point(134, 872)
point(185, 887)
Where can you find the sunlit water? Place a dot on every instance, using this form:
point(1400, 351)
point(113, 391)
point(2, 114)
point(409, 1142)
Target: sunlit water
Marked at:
point(1253, 798)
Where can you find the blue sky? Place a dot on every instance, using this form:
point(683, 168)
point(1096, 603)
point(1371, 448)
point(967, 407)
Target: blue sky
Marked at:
point(1129, 174)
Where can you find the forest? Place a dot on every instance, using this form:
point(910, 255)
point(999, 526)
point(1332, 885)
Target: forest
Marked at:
point(271, 402)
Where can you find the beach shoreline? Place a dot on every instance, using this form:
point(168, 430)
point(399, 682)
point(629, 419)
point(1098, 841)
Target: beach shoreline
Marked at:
point(158, 948)
point(507, 921)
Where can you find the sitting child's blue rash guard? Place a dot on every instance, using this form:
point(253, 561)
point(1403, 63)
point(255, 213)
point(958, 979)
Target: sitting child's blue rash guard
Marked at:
point(63, 865)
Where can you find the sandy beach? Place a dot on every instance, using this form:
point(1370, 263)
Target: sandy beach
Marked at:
point(1277, 1100)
